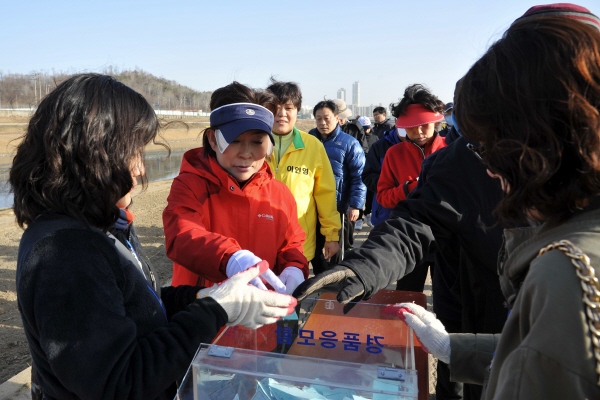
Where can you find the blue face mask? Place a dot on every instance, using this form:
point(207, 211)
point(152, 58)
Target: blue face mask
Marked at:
point(449, 119)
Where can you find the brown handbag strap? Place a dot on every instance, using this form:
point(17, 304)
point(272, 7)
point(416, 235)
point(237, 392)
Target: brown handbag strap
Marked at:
point(591, 290)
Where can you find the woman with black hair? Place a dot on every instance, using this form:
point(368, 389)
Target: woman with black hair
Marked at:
point(206, 241)
point(95, 324)
point(419, 116)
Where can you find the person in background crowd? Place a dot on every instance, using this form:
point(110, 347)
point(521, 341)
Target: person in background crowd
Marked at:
point(372, 170)
point(382, 122)
point(351, 126)
point(370, 140)
point(347, 161)
point(299, 160)
point(562, 43)
point(205, 239)
point(96, 323)
point(418, 117)
point(448, 119)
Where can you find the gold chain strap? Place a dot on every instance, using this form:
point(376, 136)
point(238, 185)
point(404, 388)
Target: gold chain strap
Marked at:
point(591, 290)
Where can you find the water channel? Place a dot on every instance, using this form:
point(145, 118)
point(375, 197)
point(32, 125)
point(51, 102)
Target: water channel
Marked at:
point(159, 167)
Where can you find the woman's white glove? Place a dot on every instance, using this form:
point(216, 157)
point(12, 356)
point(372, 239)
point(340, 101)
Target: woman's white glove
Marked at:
point(427, 327)
point(291, 277)
point(240, 261)
point(247, 305)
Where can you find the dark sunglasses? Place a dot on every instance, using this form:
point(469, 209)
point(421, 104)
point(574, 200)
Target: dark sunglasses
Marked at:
point(478, 150)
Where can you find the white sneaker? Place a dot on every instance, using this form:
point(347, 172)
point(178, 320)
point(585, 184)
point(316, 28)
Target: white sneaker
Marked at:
point(358, 225)
point(368, 220)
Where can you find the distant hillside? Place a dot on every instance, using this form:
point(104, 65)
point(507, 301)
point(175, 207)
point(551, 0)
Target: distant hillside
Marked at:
point(27, 90)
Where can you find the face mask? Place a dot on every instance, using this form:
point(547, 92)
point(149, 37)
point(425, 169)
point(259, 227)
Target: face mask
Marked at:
point(221, 142)
point(401, 132)
point(450, 119)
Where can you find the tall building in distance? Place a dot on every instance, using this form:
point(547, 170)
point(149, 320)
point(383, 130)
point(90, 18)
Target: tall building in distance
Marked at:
point(341, 94)
point(356, 94)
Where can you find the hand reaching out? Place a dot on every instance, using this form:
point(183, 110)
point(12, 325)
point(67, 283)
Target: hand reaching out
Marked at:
point(427, 327)
point(247, 305)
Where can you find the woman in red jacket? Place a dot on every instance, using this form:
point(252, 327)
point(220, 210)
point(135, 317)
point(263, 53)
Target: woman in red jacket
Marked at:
point(225, 211)
point(419, 117)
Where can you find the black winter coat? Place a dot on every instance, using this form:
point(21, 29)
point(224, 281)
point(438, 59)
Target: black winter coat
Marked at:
point(380, 128)
point(95, 327)
point(450, 214)
point(354, 129)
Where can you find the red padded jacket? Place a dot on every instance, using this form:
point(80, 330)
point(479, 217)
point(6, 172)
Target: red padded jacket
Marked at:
point(401, 167)
point(209, 217)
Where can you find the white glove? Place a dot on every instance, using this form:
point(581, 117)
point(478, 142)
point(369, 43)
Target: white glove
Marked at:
point(291, 278)
point(428, 328)
point(245, 304)
point(240, 261)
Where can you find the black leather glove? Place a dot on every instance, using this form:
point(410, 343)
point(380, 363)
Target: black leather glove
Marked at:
point(338, 279)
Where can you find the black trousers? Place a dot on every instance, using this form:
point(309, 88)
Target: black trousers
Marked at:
point(415, 280)
point(369, 202)
point(444, 388)
point(319, 263)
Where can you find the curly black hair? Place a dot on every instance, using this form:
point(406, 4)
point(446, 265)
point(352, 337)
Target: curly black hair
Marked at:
point(418, 94)
point(75, 158)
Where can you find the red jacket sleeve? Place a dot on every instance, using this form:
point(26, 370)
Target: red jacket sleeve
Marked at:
point(389, 190)
point(188, 242)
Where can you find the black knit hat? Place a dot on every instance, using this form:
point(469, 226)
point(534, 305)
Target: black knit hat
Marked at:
point(567, 10)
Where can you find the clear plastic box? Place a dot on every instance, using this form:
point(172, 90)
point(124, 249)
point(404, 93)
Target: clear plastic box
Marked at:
point(325, 354)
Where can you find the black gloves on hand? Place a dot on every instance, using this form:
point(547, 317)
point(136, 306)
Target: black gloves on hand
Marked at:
point(339, 279)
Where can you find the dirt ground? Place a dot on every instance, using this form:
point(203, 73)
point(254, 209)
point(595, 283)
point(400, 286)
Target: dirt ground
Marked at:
point(148, 206)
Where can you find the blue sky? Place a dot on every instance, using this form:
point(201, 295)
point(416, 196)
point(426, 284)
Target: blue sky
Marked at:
point(322, 45)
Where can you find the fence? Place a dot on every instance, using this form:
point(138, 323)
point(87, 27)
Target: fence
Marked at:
point(28, 112)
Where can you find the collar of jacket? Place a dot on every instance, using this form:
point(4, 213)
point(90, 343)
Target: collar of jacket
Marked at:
point(522, 245)
point(195, 162)
point(428, 144)
point(382, 123)
point(332, 135)
point(296, 138)
point(392, 136)
point(298, 142)
point(258, 179)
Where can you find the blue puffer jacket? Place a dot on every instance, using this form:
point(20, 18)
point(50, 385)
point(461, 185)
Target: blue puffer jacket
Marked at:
point(370, 175)
point(347, 161)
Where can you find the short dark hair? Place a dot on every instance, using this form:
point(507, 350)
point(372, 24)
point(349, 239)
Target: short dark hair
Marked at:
point(75, 158)
point(533, 102)
point(418, 94)
point(236, 92)
point(380, 110)
point(325, 104)
point(286, 91)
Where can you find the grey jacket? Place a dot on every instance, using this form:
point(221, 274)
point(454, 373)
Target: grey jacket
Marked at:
point(545, 350)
